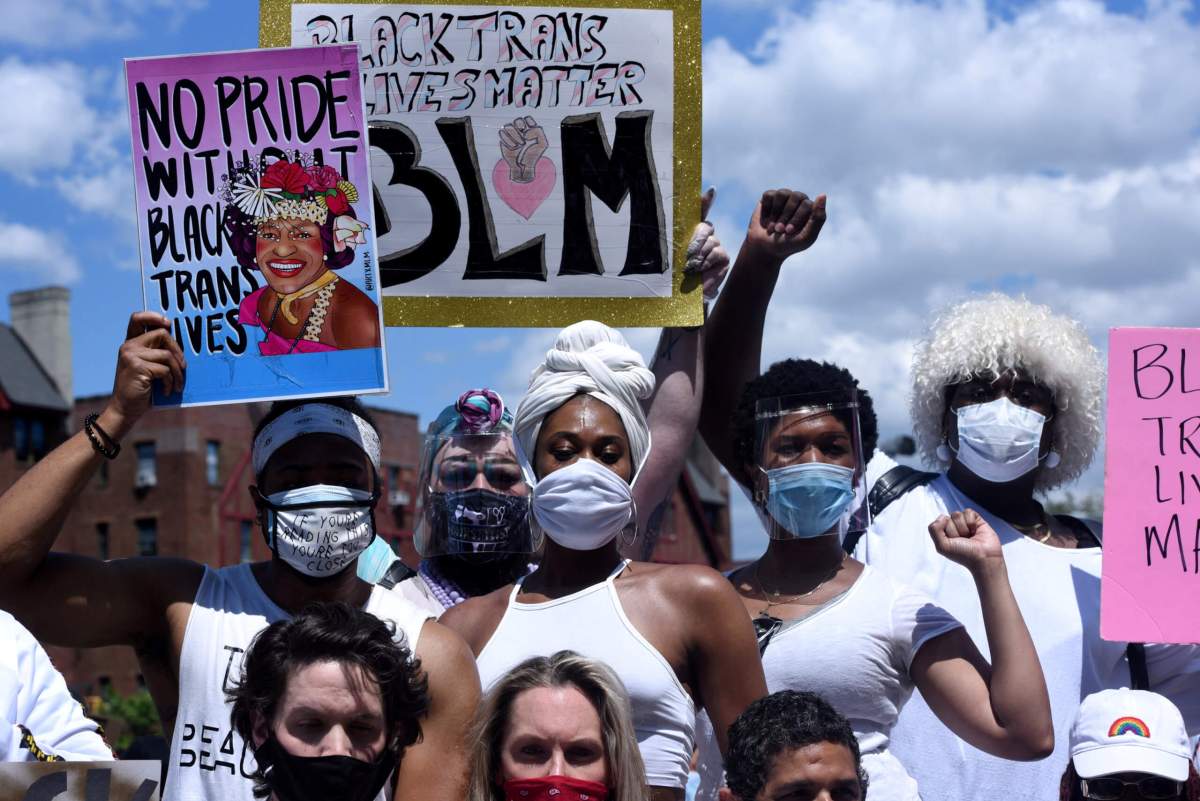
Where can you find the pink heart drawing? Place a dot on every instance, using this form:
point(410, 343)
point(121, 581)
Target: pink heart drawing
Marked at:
point(524, 199)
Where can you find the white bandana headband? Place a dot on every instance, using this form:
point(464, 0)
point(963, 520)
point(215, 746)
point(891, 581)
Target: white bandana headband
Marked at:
point(314, 418)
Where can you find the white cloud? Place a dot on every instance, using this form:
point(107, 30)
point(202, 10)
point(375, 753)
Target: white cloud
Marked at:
point(37, 252)
point(49, 120)
point(70, 23)
point(857, 90)
point(108, 193)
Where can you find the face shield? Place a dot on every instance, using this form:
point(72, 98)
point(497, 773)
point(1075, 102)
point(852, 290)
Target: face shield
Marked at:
point(810, 472)
point(474, 499)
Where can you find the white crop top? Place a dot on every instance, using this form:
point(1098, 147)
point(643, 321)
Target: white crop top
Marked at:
point(591, 622)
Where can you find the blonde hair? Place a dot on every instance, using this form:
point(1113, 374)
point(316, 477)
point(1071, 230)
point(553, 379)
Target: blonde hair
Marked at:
point(994, 333)
point(598, 683)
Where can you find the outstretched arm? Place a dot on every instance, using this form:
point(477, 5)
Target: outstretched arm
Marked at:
point(435, 769)
point(784, 223)
point(674, 408)
point(1003, 708)
point(50, 593)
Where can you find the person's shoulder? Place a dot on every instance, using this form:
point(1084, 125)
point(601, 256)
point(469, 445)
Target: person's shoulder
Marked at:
point(476, 618)
point(687, 582)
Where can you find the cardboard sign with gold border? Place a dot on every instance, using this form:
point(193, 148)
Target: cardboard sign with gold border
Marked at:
point(683, 306)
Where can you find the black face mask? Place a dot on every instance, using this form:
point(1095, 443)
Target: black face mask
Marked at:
point(293, 778)
point(478, 521)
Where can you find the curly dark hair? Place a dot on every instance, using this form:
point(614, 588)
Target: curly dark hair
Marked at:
point(1069, 789)
point(242, 234)
point(333, 632)
point(801, 377)
point(776, 724)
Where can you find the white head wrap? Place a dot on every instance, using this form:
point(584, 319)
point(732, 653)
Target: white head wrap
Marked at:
point(314, 418)
point(588, 358)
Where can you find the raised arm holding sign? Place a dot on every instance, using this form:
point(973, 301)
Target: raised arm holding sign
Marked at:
point(189, 624)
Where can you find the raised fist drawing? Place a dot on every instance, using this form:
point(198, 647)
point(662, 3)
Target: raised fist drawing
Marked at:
point(522, 143)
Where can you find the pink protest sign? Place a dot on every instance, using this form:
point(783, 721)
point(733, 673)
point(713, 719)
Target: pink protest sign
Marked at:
point(1151, 582)
point(255, 221)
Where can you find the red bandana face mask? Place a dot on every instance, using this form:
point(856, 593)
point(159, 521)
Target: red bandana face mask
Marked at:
point(554, 788)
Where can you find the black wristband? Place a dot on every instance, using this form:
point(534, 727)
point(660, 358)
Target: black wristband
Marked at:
point(102, 443)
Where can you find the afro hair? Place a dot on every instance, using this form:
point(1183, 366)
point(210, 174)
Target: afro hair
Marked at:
point(800, 377)
point(995, 333)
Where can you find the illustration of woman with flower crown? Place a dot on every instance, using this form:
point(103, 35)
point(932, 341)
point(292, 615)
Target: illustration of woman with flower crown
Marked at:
point(294, 223)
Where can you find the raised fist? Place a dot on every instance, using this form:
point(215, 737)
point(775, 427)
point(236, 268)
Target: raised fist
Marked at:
point(966, 539)
point(785, 222)
point(522, 143)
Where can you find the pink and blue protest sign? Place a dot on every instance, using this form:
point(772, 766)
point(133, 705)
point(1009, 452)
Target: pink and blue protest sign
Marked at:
point(1150, 589)
point(255, 221)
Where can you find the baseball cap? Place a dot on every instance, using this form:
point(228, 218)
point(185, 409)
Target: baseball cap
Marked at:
point(1119, 731)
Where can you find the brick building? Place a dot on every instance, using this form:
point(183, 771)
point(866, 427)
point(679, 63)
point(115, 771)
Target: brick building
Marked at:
point(180, 484)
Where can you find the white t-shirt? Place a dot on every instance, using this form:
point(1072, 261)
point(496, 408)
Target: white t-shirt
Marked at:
point(34, 695)
point(1058, 590)
point(855, 652)
point(208, 759)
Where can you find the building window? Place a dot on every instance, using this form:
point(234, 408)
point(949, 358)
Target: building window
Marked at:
point(37, 438)
point(147, 536)
point(393, 477)
point(147, 470)
point(102, 474)
point(21, 438)
point(102, 540)
point(246, 533)
point(212, 462)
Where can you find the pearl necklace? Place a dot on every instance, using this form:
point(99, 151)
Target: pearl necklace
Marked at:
point(444, 590)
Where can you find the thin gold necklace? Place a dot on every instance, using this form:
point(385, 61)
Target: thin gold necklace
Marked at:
point(1031, 531)
point(791, 598)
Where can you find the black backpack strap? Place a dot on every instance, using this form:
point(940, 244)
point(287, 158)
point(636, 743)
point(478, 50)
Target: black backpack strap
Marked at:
point(1139, 676)
point(395, 574)
point(894, 483)
point(888, 487)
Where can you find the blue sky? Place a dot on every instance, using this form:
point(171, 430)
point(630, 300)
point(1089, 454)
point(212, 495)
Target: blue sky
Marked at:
point(1039, 147)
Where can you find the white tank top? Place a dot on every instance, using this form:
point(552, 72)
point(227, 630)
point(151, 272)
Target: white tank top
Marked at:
point(208, 759)
point(591, 622)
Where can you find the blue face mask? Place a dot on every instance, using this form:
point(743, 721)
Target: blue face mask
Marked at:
point(807, 500)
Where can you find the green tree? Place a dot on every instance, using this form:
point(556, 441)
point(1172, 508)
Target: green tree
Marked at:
point(129, 716)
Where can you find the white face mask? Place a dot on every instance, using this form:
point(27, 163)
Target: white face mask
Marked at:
point(320, 530)
point(582, 506)
point(999, 441)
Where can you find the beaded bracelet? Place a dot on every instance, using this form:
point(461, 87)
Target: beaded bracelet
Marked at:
point(102, 443)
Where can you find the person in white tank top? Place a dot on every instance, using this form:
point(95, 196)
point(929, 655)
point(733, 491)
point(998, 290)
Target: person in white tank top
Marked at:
point(675, 635)
point(470, 530)
point(189, 624)
point(851, 634)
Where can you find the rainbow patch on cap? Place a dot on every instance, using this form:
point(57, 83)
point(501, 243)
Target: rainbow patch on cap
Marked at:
point(1127, 725)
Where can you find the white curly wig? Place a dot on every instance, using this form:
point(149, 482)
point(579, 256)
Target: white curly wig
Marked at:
point(994, 333)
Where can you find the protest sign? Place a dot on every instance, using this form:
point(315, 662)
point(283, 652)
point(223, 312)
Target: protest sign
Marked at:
point(254, 221)
point(126, 780)
point(1150, 587)
point(534, 164)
